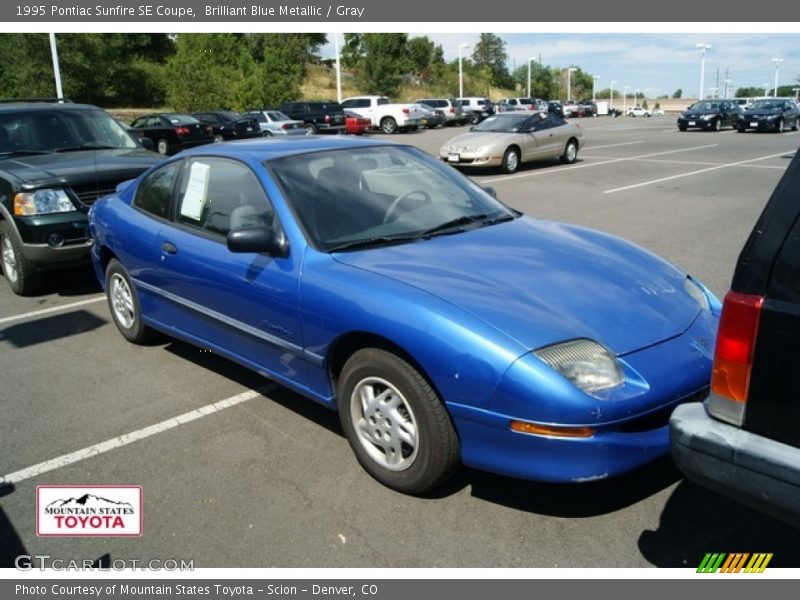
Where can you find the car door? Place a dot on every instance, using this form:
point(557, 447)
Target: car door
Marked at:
point(539, 142)
point(244, 303)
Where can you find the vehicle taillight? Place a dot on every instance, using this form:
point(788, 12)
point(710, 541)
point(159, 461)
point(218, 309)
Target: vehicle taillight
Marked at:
point(405, 111)
point(182, 131)
point(327, 118)
point(286, 126)
point(453, 110)
point(733, 359)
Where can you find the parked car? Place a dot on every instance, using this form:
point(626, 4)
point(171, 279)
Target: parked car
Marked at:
point(711, 115)
point(507, 140)
point(637, 111)
point(503, 106)
point(572, 109)
point(450, 107)
point(431, 118)
point(769, 115)
point(56, 159)
point(555, 107)
point(476, 108)
point(657, 112)
point(443, 326)
point(229, 125)
point(273, 122)
point(357, 124)
point(525, 103)
point(319, 117)
point(589, 108)
point(173, 132)
point(744, 442)
point(387, 116)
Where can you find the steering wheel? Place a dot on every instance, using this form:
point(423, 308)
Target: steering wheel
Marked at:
point(397, 201)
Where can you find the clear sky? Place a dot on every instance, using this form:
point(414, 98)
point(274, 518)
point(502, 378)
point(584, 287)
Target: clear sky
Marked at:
point(658, 63)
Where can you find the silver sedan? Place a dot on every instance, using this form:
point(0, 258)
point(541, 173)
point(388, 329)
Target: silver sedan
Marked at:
point(509, 139)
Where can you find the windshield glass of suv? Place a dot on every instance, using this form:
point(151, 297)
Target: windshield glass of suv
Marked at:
point(503, 124)
point(360, 196)
point(765, 105)
point(49, 130)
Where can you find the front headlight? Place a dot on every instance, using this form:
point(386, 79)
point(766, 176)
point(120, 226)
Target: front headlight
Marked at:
point(42, 202)
point(707, 117)
point(588, 365)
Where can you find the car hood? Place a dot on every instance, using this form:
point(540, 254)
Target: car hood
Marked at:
point(543, 282)
point(71, 168)
point(479, 138)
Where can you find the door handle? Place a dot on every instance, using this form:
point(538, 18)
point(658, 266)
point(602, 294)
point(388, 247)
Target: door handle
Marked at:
point(169, 247)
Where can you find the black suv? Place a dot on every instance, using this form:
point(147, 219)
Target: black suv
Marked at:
point(230, 125)
point(56, 159)
point(745, 441)
point(318, 116)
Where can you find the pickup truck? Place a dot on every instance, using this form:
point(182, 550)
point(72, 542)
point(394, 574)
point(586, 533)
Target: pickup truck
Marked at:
point(388, 117)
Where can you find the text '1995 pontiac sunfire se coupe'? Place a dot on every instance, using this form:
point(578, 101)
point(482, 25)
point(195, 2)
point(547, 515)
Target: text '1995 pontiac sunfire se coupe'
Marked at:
point(444, 326)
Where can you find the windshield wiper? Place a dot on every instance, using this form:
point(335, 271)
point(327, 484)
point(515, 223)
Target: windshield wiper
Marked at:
point(381, 240)
point(88, 146)
point(453, 225)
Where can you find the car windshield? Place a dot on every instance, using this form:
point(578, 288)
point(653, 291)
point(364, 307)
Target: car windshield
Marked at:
point(766, 105)
point(700, 106)
point(360, 197)
point(503, 123)
point(48, 130)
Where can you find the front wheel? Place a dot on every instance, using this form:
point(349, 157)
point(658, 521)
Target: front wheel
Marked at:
point(389, 125)
point(475, 119)
point(162, 146)
point(717, 125)
point(510, 161)
point(21, 275)
point(123, 302)
point(395, 422)
point(682, 127)
point(570, 152)
point(740, 128)
point(779, 126)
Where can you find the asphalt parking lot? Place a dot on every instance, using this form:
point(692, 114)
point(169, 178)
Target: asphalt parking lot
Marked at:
point(267, 479)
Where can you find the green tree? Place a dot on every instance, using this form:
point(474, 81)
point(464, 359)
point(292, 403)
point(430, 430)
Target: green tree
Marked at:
point(544, 84)
point(490, 52)
point(380, 60)
point(677, 93)
point(424, 56)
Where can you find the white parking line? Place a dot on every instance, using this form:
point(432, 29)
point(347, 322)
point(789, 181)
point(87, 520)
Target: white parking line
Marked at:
point(129, 438)
point(47, 311)
point(611, 145)
point(698, 172)
point(691, 162)
point(597, 164)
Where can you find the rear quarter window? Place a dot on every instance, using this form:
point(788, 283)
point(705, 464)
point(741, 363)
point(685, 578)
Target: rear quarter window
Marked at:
point(155, 191)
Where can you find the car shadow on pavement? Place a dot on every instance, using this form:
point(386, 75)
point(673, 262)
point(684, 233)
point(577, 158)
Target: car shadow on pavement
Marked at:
point(696, 521)
point(78, 281)
point(11, 545)
point(48, 329)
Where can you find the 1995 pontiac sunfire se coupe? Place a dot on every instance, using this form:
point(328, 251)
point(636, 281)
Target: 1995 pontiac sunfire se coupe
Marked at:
point(445, 327)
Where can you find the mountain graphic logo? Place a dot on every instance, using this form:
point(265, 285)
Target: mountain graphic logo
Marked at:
point(87, 501)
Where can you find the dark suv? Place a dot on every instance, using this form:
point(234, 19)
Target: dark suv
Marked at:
point(56, 159)
point(744, 442)
point(318, 116)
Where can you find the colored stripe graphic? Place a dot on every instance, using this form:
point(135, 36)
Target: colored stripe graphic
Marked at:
point(722, 562)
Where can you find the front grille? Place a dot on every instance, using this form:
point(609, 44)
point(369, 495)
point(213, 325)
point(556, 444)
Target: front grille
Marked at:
point(87, 194)
point(659, 418)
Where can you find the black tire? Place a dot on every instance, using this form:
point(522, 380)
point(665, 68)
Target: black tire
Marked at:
point(682, 127)
point(510, 162)
point(162, 146)
point(117, 282)
point(717, 125)
point(21, 275)
point(311, 129)
point(794, 125)
point(570, 152)
point(388, 125)
point(740, 128)
point(419, 410)
point(779, 126)
point(218, 137)
point(475, 119)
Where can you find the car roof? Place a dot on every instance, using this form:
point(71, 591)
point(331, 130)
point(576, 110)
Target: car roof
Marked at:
point(16, 106)
point(261, 149)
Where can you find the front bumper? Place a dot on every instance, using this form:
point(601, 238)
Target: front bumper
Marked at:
point(758, 124)
point(69, 230)
point(470, 159)
point(750, 468)
point(695, 123)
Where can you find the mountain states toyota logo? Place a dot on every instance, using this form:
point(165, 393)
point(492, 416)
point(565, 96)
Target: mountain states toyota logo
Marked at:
point(96, 510)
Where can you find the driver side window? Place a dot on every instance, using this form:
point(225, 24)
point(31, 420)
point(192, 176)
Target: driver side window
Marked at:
point(219, 195)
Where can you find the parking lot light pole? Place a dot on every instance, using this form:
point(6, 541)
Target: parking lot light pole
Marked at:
point(635, 97)
point(777, 62)
point(594, 87)
point(796, 93)
point(611, 100)
point(569, 82)
point(625, 99)
point(703, 47)
point(532, 58)
point(338, 69)
point(461, 71)
point(56, 68)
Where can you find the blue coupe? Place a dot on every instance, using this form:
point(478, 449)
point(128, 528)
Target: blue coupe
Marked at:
point(445, 327)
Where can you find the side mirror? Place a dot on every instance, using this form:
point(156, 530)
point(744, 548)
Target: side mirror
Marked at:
point(489, 190)
point(146, 143)
point(257, 240)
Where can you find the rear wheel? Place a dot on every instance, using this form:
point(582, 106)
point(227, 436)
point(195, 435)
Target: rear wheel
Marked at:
point(570, 152)
point(123, 302)
point(20, 273)
point(510, 161)
point(218, 137)
point(311, 129)
point(388, 125)
point(395, 422)
point(475, 118)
